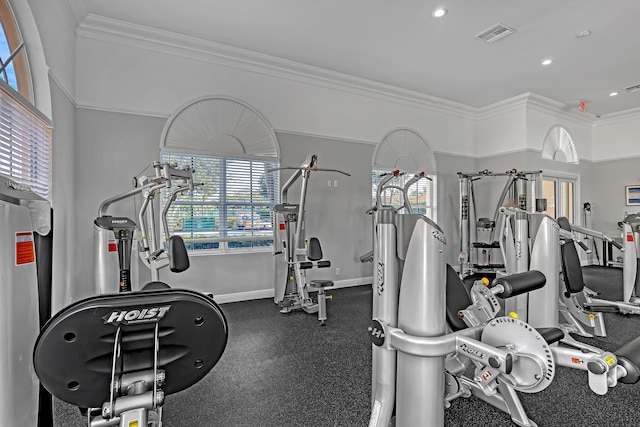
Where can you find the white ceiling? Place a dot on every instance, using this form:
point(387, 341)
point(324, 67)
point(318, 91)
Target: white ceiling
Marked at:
point(398, 42)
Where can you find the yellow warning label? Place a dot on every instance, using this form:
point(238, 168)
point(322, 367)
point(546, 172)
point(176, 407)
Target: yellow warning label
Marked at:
point(610, 360)
point(133, 423)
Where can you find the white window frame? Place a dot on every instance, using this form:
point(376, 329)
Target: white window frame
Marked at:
point(25, 133)
point(431, 188)
point(225, 236)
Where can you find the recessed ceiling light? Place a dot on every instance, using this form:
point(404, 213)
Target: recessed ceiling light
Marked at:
point(613, 93)
point(439, 12)
point(547, 62)
point(584, 33)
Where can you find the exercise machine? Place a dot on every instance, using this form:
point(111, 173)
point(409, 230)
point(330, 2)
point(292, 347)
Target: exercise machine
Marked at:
point(391, 233)
point(26, 237)
point(387, 190)
point(577, 298)
point(115, 238)
point(420, 364)
point(291, 290)
point(118, 356)
point(516, 191)
point(409, 249)
point(532, 241)
point(631, 258)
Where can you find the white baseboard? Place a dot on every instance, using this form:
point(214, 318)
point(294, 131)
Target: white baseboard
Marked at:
point(348, 283)
point(268, 293)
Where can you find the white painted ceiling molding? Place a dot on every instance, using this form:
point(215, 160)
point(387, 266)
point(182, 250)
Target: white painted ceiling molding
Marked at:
point(109, 30)
point(558, 145)
point(220, 126)
point(406, 150)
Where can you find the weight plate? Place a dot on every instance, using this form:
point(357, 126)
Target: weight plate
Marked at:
point(534, 367)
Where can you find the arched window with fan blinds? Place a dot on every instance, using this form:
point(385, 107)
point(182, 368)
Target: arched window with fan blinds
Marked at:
point(405, 150)
point(25, 132)
point(560, 190)
point(558, 145)
point(232, 148)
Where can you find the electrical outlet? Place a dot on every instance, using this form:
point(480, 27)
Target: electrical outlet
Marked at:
point(337, 271)
point(329, 183)
point(335, 183)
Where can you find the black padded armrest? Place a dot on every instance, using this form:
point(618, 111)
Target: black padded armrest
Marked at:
point(305, 265)
point(324, 264)
point(520, 283)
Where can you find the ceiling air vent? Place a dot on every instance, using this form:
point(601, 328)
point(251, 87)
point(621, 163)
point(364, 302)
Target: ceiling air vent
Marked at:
point(495, 33)
point(632, 89)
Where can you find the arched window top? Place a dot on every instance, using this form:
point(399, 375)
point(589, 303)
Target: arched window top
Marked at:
point(220, 126)
point(14, 68)
point(558, 145)
point(406, 150)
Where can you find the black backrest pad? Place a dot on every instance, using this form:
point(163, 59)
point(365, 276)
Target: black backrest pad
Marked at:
point(73, 354)
point(314, 250)
point(571, 268)
point(564, 223)
point(457, 299)
point(178, 256)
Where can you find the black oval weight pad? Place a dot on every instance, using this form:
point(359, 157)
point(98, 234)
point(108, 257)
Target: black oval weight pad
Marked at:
point(73, 354)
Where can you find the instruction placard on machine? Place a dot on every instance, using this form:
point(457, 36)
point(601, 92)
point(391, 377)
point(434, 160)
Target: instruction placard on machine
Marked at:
point(25, 249)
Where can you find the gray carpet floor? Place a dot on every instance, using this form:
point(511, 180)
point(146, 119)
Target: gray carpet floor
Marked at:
point(285, 370)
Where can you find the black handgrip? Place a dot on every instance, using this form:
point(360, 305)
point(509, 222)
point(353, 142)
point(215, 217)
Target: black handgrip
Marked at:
point(616, 244)
point(305, 265)
point(520, 283)
point(583, 246)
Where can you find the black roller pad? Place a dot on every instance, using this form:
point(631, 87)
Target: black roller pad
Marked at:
point(73, 354)
point(520, 283)
point(629, 358)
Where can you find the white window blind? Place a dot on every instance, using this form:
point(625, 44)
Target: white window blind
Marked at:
point(422, 195)
point(232, 209)
point(25, 143)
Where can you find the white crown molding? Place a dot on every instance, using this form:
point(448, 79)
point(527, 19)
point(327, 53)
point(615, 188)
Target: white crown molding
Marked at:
point(535, 102)
point(109, 30)
point(618, 159)
point(124, 111)
point(76, 11)
point(619, 117)
point(446, 153)
point(547, 105)
point(508, 105)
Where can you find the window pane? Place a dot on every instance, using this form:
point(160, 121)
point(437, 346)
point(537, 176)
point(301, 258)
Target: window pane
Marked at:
point(422, 195)
point(25, 145)
point(232, 206)
point(549, 193)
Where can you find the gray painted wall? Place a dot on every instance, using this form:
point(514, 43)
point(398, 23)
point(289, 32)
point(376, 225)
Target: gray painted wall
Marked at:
point(608, 196)
point(113, 147)
point(110, 149)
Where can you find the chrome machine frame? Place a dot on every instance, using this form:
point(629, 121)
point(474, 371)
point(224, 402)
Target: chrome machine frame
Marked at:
point(114, 236)
point(516, 185)
point(291, 291)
